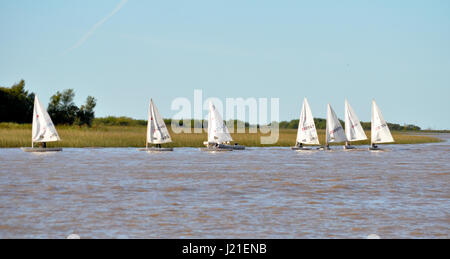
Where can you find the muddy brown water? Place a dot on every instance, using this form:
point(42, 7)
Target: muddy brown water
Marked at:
point(257, 193)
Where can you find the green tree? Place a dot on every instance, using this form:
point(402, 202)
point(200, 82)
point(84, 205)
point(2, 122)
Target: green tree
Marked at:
point(86, 114)
point(16, 104)
point(62, 109)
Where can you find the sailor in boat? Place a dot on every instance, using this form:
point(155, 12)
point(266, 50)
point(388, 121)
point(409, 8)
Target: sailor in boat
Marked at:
point(374, 146)
point(347, 145)
point(43, 145)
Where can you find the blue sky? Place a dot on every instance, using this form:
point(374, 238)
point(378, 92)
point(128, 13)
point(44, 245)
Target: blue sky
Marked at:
point(397, 52)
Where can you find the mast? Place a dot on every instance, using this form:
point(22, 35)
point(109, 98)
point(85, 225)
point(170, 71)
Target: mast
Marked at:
point(327, 133)
point(149, 116)
point(372, 128)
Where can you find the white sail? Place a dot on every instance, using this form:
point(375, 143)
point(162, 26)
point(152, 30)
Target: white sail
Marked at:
point(307, 133)
point(353, 129)
point(380, 129)
point(335, 132)
point(43, 129)
point(157, 132)
point(217, 130)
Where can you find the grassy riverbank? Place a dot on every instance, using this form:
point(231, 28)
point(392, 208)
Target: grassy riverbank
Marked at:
point(16, 135)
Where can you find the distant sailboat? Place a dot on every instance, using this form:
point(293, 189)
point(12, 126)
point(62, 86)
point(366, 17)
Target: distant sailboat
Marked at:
point(307, 133)
point(157, 132)
point(43, 130)
point(353, 129)
point(219, 137)
point(380, 130)
point(334, 131)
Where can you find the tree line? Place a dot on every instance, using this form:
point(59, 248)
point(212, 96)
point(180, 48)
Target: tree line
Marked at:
point(16, 105)
point(293, 124)
point(322, 124)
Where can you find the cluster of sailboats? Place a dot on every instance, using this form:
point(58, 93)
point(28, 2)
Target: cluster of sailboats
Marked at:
point(335, 133)
point(219, 138)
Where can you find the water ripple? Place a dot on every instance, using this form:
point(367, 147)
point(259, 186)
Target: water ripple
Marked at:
point(257, 193)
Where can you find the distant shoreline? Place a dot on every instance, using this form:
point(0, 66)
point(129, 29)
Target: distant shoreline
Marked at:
point(134, 136)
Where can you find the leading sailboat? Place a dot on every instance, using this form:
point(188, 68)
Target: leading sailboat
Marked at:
point(335, 132)
point(307, 133)
point(353, 129)
point(43, 130)
point(157, 132)
point(219, 138)
point(380, 130)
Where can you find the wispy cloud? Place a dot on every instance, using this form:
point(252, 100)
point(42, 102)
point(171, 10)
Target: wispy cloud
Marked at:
point(98, 24)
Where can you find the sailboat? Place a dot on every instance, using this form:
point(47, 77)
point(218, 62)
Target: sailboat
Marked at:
point(380, 130)
point(157, 132)
point(42, 130)
point(353, 129)
point(219, 138)
point(334, 131)
point(307, 133)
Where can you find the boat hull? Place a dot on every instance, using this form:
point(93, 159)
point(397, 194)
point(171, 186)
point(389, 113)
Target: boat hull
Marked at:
point(301, 148)
point(233, 147)
point(41, 150)
point(215, 149)
point(238, 147)
point(154, 149)
point(375, 149)
point(353, 148)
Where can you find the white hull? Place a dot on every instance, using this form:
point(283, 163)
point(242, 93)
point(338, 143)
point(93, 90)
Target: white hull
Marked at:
point(223, 146)
point(155, 149)
point(215, 149)
point(38, 149)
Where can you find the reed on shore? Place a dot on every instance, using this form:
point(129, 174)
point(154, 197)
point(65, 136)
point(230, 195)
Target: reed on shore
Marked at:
point(19, 135)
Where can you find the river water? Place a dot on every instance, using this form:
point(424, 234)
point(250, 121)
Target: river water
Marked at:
point(257, 193)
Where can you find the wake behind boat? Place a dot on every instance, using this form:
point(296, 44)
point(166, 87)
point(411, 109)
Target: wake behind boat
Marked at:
point(219, 138)
point(157, 132)
point(43, 130)
point(380, 130)
point(307, 133)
